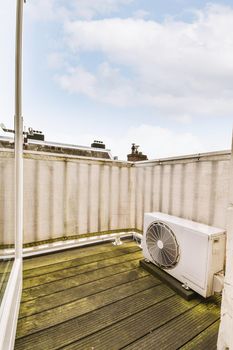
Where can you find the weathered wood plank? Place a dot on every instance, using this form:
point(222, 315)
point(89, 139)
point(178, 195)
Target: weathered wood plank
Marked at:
point(133, 328)
point(80, 261)
point(110, 303)
point(179, 331)
point(66, 296)
point(43, 260)
point(56, 286)
point(80, 327)
point(49, 318)
point(74, 271)
point(206, 340)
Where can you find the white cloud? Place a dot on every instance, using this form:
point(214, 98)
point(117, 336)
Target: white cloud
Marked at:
point(43, 10)
point(89, 8)
point(154, 141)
point(55, 10)
point(107, 85)
point(56, 60)
point(162, 142)
point(185, 118)
point(180, 69)
point(141, 14)
point(80, 81)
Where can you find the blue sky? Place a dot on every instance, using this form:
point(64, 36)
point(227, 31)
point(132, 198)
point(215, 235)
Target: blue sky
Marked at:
point(158, 73)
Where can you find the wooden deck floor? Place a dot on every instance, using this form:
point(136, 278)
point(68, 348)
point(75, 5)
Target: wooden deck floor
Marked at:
point(99, 298)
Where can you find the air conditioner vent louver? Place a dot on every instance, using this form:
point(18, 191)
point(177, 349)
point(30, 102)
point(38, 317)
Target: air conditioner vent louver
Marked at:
point(162, 245)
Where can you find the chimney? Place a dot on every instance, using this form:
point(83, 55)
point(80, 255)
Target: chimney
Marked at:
point(136, 156)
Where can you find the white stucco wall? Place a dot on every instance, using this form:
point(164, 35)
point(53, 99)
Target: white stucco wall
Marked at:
point(65, 195)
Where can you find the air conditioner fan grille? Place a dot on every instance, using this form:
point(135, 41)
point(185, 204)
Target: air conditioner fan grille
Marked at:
point(162, 245)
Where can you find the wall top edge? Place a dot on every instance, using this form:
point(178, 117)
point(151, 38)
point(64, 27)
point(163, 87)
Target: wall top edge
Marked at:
point(219, 155)
point(8, 153)
point(225, 154)
point(57, 156)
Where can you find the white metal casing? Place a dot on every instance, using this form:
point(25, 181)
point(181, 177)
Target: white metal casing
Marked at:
point(202, 251)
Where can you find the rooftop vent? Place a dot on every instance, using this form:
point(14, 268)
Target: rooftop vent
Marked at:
point(35, 135)
point(98, 144)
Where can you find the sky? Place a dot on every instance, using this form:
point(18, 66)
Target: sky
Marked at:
point(157, 73)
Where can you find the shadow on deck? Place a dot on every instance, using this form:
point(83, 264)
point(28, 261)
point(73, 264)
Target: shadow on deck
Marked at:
point(99, 298)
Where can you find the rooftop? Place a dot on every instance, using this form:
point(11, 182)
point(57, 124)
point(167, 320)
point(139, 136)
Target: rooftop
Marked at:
point(59, 148)
point(98, 297)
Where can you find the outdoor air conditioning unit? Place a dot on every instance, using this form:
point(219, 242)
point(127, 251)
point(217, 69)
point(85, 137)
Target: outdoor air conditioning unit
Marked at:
point(191, 252)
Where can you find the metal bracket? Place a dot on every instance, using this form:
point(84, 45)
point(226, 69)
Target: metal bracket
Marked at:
point(218, 282)
point(185, 286)
point(117, 241)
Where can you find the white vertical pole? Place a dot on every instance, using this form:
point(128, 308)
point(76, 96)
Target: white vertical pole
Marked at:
point(18, 133)
point(225, 336)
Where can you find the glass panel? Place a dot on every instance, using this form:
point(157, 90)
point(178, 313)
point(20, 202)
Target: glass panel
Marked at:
point(7, 40)
point(5, 268)
point(6, 216)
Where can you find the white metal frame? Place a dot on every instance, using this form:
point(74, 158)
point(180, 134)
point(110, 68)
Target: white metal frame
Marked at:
point(18, 133)
point(10, 304)
point(10, 307)
point(71, 243)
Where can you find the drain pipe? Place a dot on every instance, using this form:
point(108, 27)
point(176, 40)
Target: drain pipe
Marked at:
point(18, 126)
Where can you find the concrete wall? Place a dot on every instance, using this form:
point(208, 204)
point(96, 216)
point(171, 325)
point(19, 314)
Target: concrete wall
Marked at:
point(65, 195)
